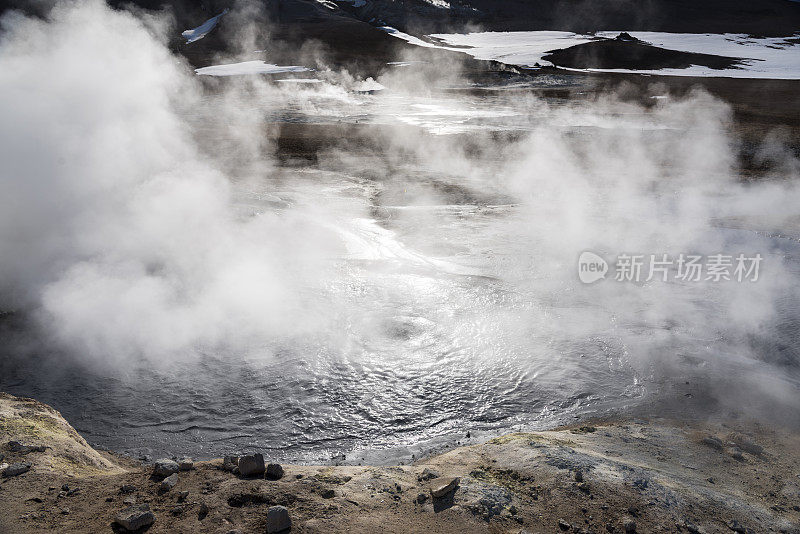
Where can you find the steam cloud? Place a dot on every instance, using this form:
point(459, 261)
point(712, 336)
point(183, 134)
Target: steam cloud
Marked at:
point(125, 236)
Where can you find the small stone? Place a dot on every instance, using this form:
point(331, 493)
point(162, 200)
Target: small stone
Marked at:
point(327, 493)
point(736, 454)
point(713, 442)
point(735, 526)
point(691, 527)
point(127, 488)
point(629, 525)
point(17, 469)
point(65, 511)
point(168, 483)
point(442, 486)
point(109, 499)
point(578, 475)
point(278, 519)
point(165, 467)
point(135, 517)
point(563, 525)
point(274, 472)
point(182, 496)
point(421, 498)
point(185, 464)
point(252, 465)
point(129, 501)
point(65, 487)
point(202, 512)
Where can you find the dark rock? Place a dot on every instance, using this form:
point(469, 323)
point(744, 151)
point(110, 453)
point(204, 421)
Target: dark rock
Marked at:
point(186, 464)
point(563, 525)
point(182, 496)
point(168, 483)
point(626, 37)
point(278, 520)
point(17, 469)
point(274, 471)
point(165, 467)
point(252, 465)
point(65, 487)
point(427, 474)
point(135, 517)
point(735, 526)
point(327, 493)
point(691, 527)
point(127, 488)
point(109, 499)
point(442, 486)
point(19, 448)
point(202, 512)
point(421, 498)
point(629, 525)
point(65, 511)
point(578, 475)
point(736, 454)
point(713, 442)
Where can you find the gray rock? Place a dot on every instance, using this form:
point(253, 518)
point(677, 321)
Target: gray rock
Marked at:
point(186, 464)
point(442, 486)
point(747, 445)
point(278, 520)
point(168, 483)
point(252, 465)
point(17, 469)
point(327, 493)
point(629, 525)
point(563, 525)
point(713, 442)
point(135, 517)
point(274, 471)
point(165, 467)
point(229, 463)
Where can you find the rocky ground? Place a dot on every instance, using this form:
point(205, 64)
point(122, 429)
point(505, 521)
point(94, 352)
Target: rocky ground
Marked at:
point(620, 476)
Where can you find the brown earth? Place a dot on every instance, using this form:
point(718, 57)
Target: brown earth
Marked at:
point(659, 475)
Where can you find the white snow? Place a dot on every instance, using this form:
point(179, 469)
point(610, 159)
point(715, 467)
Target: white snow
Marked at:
point(248, 67)
point(774, 57)
point(201, 31)
point(406, 37)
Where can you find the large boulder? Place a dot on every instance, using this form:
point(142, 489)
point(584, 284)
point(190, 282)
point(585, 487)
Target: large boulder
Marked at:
point(274, 471)
point(278, 520)
point(165, 467)
point(252, 465)
point(135, 517)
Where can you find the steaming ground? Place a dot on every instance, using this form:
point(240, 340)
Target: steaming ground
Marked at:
point(186, 276)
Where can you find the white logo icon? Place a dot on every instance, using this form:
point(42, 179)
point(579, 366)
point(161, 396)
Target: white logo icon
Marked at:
point(591, 267)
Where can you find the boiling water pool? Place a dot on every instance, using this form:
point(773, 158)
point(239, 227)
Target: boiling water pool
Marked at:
point(445, 295)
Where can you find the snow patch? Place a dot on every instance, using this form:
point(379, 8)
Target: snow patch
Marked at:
point(198, 33)
point(248, 67)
